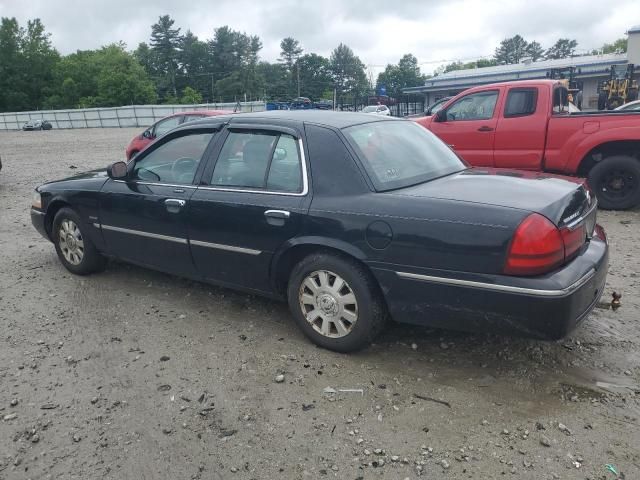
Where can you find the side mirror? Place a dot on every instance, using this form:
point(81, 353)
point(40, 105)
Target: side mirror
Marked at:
point(117, 170)
point(147, 134)
point(441, 116)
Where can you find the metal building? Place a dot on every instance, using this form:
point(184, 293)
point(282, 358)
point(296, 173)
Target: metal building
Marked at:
point(589, 70)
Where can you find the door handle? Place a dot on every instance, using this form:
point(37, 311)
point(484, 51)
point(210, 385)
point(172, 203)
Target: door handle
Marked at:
point(277, 218)
point(277, 214)
point(485, 128)
point(174, 205)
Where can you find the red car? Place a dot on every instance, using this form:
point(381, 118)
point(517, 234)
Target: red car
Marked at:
point(140, 142)
point(529, 125)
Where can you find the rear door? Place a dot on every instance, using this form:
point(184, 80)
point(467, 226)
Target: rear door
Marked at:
point(251, 200)
point(143, 218)
point(469, 126)
point(521, 132)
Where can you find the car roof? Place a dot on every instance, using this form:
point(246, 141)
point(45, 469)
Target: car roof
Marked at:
point(319, 117)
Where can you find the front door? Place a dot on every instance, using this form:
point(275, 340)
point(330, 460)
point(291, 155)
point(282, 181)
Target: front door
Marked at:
point(254, 199)
point(469, 127)
point(143, 218)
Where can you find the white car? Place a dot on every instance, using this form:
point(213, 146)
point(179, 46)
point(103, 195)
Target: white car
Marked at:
point(377, 110)
point(631, 106)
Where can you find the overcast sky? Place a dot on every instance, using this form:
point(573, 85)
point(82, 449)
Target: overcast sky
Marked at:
point(378, 31)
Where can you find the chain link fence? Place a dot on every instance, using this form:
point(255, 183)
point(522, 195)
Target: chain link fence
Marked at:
point(116, 117)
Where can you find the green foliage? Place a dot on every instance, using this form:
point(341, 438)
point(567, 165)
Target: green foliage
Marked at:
point(26, 63)
point(165, 43)
point(349, 77)
point(100, 78)
point(315, 76)
point(405, 74)
point(563, 48)
point(620, 45)
point(511, 50)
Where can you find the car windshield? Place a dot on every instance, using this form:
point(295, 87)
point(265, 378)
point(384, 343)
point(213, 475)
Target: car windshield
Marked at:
point(398, 154)
point(370, 109)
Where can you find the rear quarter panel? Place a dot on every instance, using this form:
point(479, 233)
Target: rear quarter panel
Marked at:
point(571, 137)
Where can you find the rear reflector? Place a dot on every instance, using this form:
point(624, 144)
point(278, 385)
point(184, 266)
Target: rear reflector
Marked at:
point(537, 247)
point(573, 239)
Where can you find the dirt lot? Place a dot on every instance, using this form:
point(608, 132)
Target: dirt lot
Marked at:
point(136, 374)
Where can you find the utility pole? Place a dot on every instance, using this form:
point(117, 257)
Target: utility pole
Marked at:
point(298, 64)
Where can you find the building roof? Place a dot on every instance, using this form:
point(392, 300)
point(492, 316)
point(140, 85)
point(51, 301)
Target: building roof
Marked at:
point(587, 65)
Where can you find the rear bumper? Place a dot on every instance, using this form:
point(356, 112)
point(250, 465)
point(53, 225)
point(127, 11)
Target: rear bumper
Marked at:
point(546, 307)
point(37, 219)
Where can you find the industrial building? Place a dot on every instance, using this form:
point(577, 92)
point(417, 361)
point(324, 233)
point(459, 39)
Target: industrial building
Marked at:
point(589, 70)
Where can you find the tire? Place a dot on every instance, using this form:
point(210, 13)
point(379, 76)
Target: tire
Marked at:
point(615, 102)
point(334, 310)
point(616, 182)
point(633, 95)
point(75, 250)
point(602, 100)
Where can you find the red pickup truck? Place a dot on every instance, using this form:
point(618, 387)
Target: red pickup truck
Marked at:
point(528, 125)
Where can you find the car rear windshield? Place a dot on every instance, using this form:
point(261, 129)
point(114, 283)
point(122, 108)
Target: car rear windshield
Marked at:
point(398, 154)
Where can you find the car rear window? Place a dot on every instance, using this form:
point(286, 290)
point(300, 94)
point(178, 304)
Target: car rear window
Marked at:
point(398, 154)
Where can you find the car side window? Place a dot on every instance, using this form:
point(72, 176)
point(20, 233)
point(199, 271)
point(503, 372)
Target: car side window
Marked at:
point(259, 160)
point(477, 106)
point(521, 102)
point(173, 162)
point(163, 126)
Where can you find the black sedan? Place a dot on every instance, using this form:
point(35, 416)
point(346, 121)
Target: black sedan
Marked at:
point(352, 218)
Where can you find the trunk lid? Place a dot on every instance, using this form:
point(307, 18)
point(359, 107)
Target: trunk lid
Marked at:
point(566, 201)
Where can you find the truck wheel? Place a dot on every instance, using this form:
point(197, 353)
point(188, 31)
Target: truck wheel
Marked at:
point(633, 95)
point(616, 182)
point(336, 302)
point(602, 101)
point(614, 102)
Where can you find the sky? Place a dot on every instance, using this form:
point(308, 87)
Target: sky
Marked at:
point(380, 32)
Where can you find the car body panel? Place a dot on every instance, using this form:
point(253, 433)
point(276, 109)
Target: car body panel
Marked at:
point(436, 249)
point(140, 141)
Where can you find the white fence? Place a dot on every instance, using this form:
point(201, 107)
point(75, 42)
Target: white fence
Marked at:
point(115, 117)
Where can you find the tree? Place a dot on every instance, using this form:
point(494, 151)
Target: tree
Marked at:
point(396, 77)
point(511, 50)
point(620, 45)
point(194, 61)
point(165, 42)
point(26, 63)
point(480, 63)
point(107, 77)
point(290, 51)
point(274, 81)
point(563, 48)
point(190, 96)
point(535, 51)
point(315, 75)
point(348, 72)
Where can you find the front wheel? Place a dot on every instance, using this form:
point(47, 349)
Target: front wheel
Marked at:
point(75, 250)
point(336, 302)
point(616, 182)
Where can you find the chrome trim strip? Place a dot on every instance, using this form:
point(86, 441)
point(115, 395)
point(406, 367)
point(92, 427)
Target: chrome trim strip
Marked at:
point(97, 225)
point(145, 234)
point(137, 182)
point(281, 213)
point(305, 181)
point(229, 248)
point(500, 288)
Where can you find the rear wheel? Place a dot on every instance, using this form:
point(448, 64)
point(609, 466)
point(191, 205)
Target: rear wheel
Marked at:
point(336, 302)
point(614, 102)
point(75, 250)
point(616, 182)
point(633, 95)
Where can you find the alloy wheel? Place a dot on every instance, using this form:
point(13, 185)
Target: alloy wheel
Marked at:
point(328, 304)
point(71, 242)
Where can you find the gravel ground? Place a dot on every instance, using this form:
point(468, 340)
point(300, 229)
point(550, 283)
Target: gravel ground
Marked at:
point(136, 374)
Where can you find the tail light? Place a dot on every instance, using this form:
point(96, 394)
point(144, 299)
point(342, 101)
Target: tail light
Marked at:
point(538, 246)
